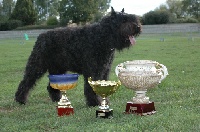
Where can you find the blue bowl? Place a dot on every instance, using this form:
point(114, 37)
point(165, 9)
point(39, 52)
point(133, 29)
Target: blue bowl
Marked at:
point(63, 78)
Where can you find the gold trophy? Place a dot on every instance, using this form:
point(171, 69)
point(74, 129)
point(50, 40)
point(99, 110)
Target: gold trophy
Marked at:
point(63, 83)
point(104, 89)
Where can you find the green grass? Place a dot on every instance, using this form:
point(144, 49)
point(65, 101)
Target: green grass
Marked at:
point(176, 99)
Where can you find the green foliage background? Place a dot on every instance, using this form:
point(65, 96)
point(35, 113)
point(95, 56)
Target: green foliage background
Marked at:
point(24, 11)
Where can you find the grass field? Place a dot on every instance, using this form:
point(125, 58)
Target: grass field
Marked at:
point(176, 99)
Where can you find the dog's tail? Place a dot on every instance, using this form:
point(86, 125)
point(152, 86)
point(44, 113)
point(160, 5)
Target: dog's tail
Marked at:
point(35, 69)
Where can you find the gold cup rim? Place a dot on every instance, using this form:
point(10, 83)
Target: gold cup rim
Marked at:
point(103, 82)
point(104, 88)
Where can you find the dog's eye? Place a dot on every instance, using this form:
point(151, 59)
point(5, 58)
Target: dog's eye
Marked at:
point(138, 28)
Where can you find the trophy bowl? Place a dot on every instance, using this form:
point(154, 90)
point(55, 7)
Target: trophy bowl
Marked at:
point(143, 66)
point(104, 89)
point(64, 82)
point(140, 81)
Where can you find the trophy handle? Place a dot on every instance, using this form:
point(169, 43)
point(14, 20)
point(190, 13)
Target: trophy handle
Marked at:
point(119, 68)
point(163, 70)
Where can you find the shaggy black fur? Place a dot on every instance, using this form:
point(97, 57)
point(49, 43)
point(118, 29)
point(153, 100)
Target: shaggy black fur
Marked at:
point(87, 50)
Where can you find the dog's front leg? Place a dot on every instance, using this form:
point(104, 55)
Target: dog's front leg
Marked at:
point(54, 94)
point(91, 98)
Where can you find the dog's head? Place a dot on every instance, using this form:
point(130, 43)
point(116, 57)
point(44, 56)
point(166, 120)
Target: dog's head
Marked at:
point(125, 28)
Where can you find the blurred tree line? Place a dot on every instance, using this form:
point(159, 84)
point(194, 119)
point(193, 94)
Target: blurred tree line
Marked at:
point(30, 12)
point(52, 12)
point(174, 11)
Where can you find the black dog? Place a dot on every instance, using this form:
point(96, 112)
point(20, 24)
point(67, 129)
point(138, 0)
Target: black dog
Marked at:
point(87, 50)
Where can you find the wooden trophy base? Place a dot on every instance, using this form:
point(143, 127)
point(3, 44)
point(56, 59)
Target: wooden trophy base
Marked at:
point(63, 110)
point(140, 109)
point(104, 113)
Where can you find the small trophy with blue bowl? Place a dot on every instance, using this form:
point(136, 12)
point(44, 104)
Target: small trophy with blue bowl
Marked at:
point(64, 82)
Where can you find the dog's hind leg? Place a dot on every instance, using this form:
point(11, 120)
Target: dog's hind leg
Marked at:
point(35, 68)
point(55, 94)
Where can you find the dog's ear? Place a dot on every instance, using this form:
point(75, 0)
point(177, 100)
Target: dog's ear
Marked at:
point(122, 10)
point(113, 11)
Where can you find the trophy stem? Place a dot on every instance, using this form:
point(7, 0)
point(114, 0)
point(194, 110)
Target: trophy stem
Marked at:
point(104, 104)
point(64, 100)
point(104, 111)
point(141, 97)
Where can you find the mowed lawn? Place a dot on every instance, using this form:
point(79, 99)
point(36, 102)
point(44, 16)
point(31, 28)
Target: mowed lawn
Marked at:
point(177, 98)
